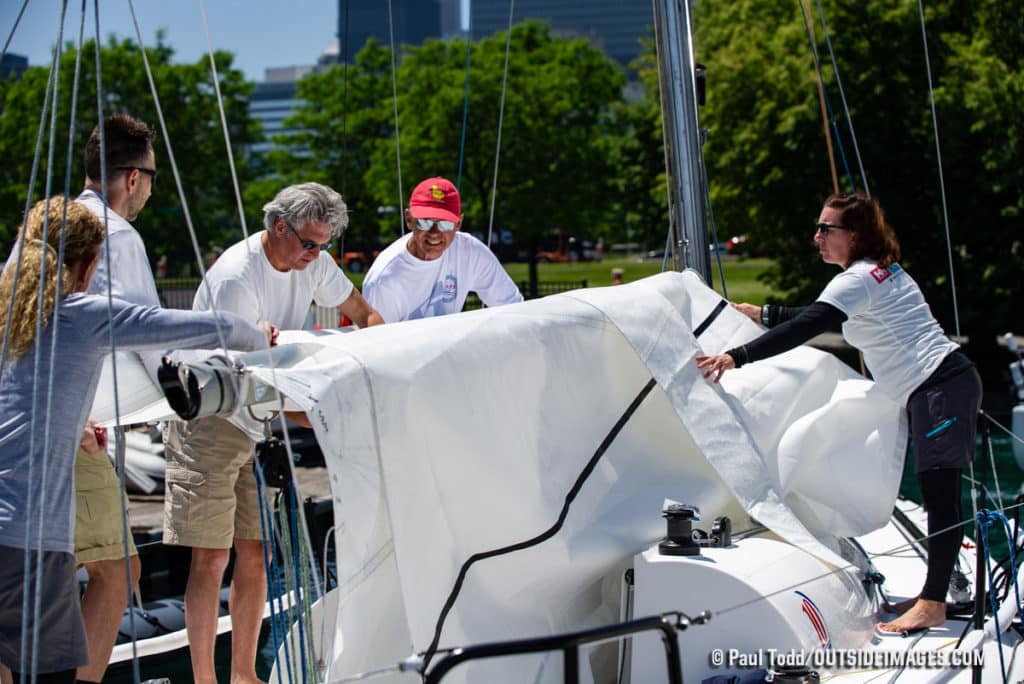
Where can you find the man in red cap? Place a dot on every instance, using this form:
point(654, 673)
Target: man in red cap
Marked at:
point(430, 270)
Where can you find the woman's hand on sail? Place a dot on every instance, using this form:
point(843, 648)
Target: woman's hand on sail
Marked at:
point(714, 366)
point(751, 311)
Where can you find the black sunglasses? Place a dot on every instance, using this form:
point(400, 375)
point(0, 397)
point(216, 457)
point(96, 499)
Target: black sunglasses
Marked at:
point(824, 228)
point(141, 169)
point(309, 245)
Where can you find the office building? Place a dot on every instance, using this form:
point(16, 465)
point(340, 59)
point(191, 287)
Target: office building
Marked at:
point(615, 26)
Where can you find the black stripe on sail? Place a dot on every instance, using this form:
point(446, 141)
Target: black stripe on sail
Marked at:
point(706, 323)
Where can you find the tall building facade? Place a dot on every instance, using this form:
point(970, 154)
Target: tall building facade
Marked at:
point(413, 22)
point(615, 26)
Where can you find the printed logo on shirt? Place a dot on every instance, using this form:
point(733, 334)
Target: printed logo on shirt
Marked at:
point(882, 274)
point(450, 287)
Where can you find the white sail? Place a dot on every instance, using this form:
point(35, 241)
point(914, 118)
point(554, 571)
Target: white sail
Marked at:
point(451, 436)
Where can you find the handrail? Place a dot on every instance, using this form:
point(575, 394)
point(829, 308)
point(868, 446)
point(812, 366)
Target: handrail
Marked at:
point(569, 644)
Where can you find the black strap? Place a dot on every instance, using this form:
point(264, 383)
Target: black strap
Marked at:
point(706, 323)
point(543, 536)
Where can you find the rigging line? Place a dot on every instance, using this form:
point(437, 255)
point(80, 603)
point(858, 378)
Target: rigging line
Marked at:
point(118, 436)
point(842, 98)
point(14, 28)
point(663, 107)
point(394, 100)
point(938, 159)
point(465, 103)
point(821, 97)
point(60, 267)
point(344, 116)
point(224, 121)
point(50, 92)
point(831, 114)
point(501, 119)
point(995, 476)
point(26, 577)
point(577, 486)
point(1005, 429)
point(344, 126)
point(711, 218)
point(180, 188)
point(260, 494)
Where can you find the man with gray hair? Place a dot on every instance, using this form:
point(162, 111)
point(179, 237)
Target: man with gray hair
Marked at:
point(210, 501)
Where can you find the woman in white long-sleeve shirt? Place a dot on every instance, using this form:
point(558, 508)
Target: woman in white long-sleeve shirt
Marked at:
point(881, 311)
point(41, 422)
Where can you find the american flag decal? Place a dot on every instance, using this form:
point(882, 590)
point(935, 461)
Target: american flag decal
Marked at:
point(817, 621)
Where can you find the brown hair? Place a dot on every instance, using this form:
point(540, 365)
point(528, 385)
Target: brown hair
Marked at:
point(873, 237)
point(126, 140)
point(82, 240)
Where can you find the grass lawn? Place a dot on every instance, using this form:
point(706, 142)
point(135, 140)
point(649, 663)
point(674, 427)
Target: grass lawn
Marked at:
point(740, 274)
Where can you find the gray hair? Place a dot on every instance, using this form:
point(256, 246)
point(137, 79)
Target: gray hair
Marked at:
point(297, 204)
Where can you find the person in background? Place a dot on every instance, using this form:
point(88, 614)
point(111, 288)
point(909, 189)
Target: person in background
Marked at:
point(617, 276)
point(130, 170)
point(210, 501)
point(37, 450)
point(883, 314)
point(430, 270)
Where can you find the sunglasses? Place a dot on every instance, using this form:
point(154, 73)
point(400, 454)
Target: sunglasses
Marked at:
point(443, 226)
point(309, 245)
point(824, 228)
point(141, 169)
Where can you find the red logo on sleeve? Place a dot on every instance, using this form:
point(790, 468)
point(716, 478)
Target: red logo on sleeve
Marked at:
point(880, 274)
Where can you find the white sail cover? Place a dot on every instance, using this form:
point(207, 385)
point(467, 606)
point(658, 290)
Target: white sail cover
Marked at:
point(451, 436)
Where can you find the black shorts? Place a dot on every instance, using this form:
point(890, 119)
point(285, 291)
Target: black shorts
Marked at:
point(943, 422)
point(62, 644)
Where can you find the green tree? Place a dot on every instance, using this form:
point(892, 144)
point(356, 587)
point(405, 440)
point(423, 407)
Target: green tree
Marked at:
point(767, 160)
point(641, 205)
point(555, 167)
point(346, 111)
point(189, 104)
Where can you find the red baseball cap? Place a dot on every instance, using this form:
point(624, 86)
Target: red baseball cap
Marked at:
point(436, 198)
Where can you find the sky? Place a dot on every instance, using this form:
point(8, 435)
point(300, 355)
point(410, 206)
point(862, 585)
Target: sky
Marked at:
point(261, 33)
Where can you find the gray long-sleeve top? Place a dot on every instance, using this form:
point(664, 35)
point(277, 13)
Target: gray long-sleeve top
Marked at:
point(83, 340)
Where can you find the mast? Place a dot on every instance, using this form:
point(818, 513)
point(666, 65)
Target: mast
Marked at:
point(681, 130)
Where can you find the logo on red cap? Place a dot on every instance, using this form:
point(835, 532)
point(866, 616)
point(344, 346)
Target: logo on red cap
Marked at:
point(436, 198)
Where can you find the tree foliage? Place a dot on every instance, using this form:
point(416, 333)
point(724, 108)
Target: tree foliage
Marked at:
point(554, 169)
point(189, 104)
point(767, 160)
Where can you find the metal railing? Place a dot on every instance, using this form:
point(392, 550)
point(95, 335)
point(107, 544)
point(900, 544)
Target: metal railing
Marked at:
point(570, 644)
point(178, 293)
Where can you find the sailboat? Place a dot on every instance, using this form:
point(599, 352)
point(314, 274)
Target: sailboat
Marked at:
point(551, 490)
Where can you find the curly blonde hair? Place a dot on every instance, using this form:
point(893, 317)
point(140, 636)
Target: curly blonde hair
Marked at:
point(82, 240)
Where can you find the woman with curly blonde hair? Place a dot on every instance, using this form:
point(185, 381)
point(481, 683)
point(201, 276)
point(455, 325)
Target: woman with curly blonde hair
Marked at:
point(39, 432)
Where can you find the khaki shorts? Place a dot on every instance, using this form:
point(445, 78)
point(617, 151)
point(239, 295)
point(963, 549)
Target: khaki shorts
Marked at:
point(210, 489)
point(98, 528)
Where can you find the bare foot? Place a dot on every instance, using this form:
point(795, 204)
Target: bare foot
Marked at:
point(922, 615)
point(900, 607)
point(246, 679)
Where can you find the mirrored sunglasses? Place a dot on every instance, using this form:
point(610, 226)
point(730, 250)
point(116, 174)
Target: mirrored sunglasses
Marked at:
point(443, 226)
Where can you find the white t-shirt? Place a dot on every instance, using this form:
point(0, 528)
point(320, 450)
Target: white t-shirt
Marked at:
point(244, 282)
point(131, 278)
point(402, 287)
point(890, 322)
